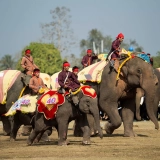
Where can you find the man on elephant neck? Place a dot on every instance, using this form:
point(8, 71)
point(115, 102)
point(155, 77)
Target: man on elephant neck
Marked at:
point(88, 59)
point(115, 49)
point(27, 63)
point(36, 82)
point(68, 81)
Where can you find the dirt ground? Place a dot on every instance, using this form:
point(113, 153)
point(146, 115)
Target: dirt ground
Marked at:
point(116, 147)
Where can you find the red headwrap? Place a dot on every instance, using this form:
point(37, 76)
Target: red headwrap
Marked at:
point(66, 64)
point(89, 51)
point(120, 35)
point(28, 51)
point(75, 70)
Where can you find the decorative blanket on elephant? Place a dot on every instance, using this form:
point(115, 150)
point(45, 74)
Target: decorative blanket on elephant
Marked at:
point(92, 73)
point(7, 79)
point(87, 91)
point(46, 79)
point(49, 102)
point(26, 104)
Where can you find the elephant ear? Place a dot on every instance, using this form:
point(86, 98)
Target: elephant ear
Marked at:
point(124, 71)
point(25, 79)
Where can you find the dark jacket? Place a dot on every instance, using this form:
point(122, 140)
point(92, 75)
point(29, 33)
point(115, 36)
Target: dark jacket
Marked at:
point(71, 82)
point(115, 45)
point(88, 60)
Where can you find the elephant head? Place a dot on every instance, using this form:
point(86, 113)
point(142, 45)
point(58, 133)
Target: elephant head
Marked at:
point(25, 79)
point(139, 73)
point(89, 105)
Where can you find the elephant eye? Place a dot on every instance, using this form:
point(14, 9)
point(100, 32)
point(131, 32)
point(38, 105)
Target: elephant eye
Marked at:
point(139, 71)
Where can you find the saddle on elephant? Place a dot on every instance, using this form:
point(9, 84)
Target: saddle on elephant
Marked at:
point(7, 79)
point(49, 102)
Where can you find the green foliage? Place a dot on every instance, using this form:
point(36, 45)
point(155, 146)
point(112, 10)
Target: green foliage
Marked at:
point(7, 62)
point(45, 56)
point(156, 60)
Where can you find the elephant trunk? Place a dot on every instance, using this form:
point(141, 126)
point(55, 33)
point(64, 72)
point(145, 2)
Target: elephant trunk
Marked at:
point(95, 113)
point(150, 110)
point(139, 98)
point(149, 89)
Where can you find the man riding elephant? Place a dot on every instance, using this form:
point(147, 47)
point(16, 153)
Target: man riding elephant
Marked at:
point(27, 63)
point(68, 81)
point(88, 59)
point(36, 82)
point(115, 49)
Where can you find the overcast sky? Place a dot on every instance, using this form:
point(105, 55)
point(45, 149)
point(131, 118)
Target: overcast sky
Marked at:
point(136, 19)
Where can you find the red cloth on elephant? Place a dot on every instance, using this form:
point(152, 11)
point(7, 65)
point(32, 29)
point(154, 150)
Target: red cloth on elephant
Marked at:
point(28, 64)
point(49, 102)
point(68, 80)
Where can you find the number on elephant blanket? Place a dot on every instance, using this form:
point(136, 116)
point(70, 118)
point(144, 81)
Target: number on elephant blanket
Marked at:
point(51, 100)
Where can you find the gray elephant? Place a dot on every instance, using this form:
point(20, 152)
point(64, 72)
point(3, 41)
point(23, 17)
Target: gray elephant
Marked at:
point(141, 93)
point(13, 94)
point(66, 113)
point(135, 73)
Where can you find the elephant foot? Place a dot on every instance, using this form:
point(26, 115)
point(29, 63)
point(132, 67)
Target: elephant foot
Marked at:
point(6, 133)
point(86, 143)
point(108, 129)
point(130, 134)
point(45, 138)
point(94, 134)
point(29, 143)
point(12, 139)
point(26, 130)
point(64, 143)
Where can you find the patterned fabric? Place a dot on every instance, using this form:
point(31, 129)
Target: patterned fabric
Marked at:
point(26, 104)
point(89, 91)
point(7, 79)
point(145, 57)
point(46, 79)
point(92, 73)
point(49, 102)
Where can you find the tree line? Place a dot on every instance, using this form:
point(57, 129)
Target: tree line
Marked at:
point(58, 38)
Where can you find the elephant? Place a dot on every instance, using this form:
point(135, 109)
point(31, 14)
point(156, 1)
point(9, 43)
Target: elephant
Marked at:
point(141, 93)
point(12, 95)
point(11, 124)
point(134, 73)
point(66, 113)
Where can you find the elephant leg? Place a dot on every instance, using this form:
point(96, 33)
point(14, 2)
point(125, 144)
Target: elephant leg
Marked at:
point(39, 127)
point(44, 136)
point(15, 125)
point(111, 108)
point(6, 126)
point(26, 130)
point(128, 117)
point(77, 130)
point(62, 130)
